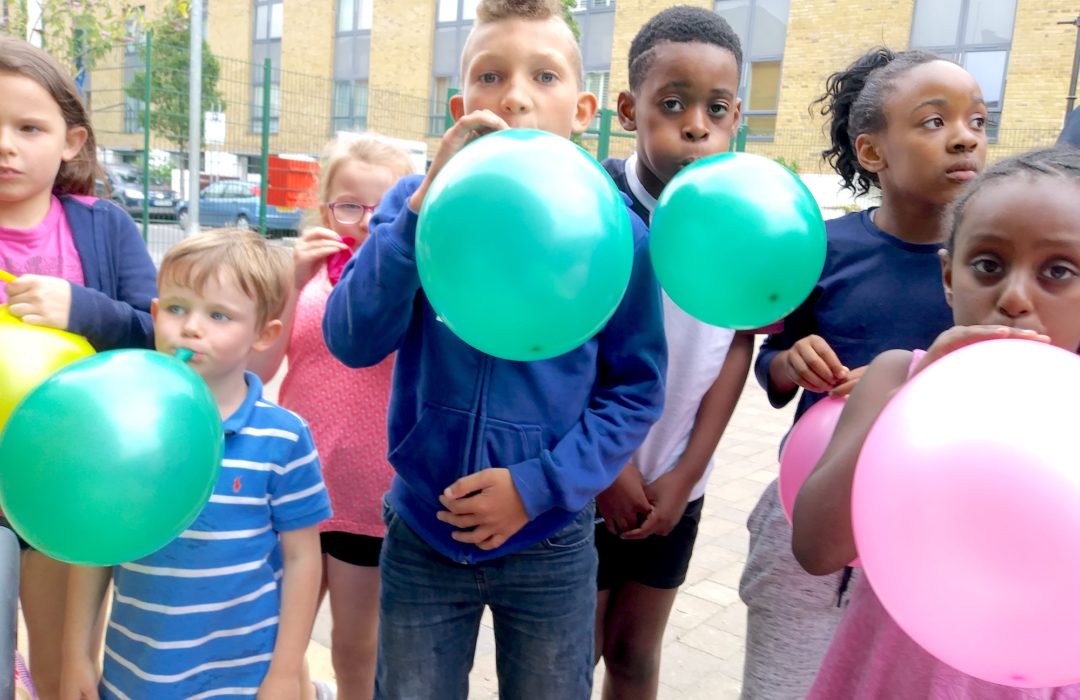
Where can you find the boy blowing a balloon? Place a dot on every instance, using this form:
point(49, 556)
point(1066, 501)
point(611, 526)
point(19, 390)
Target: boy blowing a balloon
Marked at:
point(228, 606)
point(496, 461)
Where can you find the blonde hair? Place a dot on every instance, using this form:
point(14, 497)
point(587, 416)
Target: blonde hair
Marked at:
point(263, 271)
point(77, 175)
point(367, 148)
point(488, 11)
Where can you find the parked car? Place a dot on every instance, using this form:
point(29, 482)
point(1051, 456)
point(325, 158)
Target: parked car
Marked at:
point(124, 185)
point(236, 203)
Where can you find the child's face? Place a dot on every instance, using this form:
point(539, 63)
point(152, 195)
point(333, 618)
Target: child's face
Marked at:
point(1016, 259)
point(34, 139)
point(934, 140)
point(524, 72)
point(685, 109)
point(355, 191)
point(218, 323)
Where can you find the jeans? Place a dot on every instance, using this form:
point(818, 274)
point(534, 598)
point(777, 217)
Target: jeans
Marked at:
point(543, 604)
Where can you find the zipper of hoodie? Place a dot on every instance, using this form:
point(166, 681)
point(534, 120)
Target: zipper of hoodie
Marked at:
point(479, 408)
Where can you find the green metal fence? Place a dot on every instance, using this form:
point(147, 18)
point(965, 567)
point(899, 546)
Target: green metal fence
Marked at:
point(264, 156)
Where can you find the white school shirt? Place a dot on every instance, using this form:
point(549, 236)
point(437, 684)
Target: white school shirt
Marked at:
point(696, 352)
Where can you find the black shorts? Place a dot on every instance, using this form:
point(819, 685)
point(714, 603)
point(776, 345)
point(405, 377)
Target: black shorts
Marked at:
point(23, 546)
point(657, 561)
point(358, 550)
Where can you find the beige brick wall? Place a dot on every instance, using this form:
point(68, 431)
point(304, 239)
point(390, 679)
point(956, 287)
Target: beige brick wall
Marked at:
point(1040, 64)
point(307, 57)
point(402, 39)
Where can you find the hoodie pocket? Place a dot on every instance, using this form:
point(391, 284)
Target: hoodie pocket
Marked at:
point(432, 454)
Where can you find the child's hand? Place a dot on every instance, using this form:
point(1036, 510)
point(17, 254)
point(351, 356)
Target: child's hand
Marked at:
point(669, 495)
point(78, 680)
point(469, 127)
point(40, 300)
point(315, 245)
point(812, 364)
point(485, 506)
point(961, 336)
point(280, 686)
point(845, 387)
point(623, 504)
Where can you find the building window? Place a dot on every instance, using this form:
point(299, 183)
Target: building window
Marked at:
point(975, 33)
point(456, 10)
point(350, 105)
point(583, 5)
point(354, 15)
point(762, 29)
point(596, 82)
point(440, 97)
point(266, 44)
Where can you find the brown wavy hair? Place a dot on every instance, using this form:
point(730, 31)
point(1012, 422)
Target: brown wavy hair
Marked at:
point(76, 176)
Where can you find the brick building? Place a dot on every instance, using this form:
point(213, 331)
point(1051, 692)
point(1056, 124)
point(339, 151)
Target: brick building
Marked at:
point(388, 65)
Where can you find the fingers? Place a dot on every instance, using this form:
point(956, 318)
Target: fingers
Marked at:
point(484, 538)
point(814, 365)
point(845, 387)
point(466, 485)
point(650, 526)
point(466, 520)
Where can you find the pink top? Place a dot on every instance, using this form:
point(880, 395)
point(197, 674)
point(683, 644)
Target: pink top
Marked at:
point(45, 249)
point(871, 657)
point(346, 409)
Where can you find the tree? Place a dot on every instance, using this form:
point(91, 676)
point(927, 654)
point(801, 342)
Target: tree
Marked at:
point(568, 13)
point(170, 80)
point(77, 34)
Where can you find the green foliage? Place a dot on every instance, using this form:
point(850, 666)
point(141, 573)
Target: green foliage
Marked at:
point(568, 6)
point(170, 77)
point(792, 165)
point(74, 33)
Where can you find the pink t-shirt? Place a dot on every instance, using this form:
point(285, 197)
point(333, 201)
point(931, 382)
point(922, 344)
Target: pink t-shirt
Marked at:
point(871, 657)
point(346, 409)
point(45, 249)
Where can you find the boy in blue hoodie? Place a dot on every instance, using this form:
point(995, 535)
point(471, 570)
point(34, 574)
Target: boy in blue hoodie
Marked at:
point(497, 461)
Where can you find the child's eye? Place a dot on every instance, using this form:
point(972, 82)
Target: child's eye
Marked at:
point(672, 105)
point(1059, 271)
point(175, 309)
point(219, 316)
point(547, 77)
point(986, 266)
point(934, 123)
point(488, 78)
point(31, 129)
point(718, 109)
point(978, 122)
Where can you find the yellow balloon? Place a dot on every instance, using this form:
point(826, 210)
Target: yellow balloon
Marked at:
point(31, 354)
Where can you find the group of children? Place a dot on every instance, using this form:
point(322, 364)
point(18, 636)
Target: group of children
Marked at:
point(564, 494)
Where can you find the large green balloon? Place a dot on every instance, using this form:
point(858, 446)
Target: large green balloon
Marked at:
point(110, 458)
point(524, 246)
point(737, 241)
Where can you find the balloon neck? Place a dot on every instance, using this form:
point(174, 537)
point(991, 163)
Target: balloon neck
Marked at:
point(184, 355)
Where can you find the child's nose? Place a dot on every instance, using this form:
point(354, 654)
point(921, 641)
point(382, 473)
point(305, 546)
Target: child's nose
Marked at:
point(695, 126)
point(516, 98)
point(1016, 298)
point(192, 328)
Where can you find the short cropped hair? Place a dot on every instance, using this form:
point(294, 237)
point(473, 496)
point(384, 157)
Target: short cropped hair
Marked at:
point(488, 11)
point(263, 271)
point(681, 25)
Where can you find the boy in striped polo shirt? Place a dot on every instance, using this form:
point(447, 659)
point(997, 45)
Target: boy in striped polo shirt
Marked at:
point(226, 609)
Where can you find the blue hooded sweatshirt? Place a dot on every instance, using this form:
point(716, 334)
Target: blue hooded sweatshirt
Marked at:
point(564, 427)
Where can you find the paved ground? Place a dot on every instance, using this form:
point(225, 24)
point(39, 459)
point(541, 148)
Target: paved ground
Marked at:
point(703, 647)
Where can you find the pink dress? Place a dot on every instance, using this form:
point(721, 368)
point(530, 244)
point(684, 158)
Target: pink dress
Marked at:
point(346, 409)
point(871, 657)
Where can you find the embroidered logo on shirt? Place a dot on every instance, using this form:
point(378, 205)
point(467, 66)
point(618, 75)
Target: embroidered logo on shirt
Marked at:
point(236, 485)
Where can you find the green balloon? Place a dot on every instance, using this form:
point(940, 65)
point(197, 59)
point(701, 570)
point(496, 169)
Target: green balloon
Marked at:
point(111, 457)
point(737, 241)
point(524, 245)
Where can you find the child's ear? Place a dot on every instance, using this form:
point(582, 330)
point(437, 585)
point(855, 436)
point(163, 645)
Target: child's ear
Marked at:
point(946, 274)
point(586, 110)
point(868, 151)
point(268, 335)
point(153, 310)
point(625, 108)
point(73, 142)
point(457, 106)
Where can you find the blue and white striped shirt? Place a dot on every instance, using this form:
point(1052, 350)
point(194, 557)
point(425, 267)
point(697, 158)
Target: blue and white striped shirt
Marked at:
point(198, 618)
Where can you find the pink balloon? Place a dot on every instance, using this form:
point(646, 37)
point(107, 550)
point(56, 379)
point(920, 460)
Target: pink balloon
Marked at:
point(966, 510)
point(804, 446)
